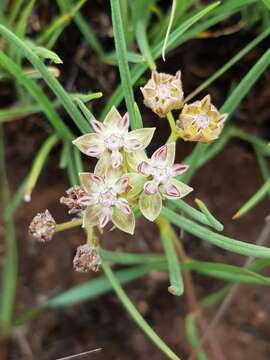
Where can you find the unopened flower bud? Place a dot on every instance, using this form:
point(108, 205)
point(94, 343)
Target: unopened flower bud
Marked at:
point(86, 259)
point(75, 193)
point(163, 93)
point(200, 121)
point(42, 226)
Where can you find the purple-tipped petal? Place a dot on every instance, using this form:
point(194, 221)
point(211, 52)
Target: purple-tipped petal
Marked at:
point(171, 191)
point(160, 155)
point(133, 145)
point(179, 169)
point(97, 126)
point(145, 168)
point(90, 144)
point(94, 151)
point(104, 217)
point(123, 205)
point(121, 185)
point(151, 187)
point(90, 182)
point(123, 123)
point(88, 200)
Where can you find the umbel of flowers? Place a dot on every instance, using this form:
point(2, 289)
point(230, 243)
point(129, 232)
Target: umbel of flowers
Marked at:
point(124, 179)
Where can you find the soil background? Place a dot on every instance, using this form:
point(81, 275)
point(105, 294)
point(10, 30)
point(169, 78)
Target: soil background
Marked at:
point(225, 183)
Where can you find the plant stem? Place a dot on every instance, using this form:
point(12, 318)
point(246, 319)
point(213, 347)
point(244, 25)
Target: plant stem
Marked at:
point(9, 280)
point(171, 122)
point(68, 225)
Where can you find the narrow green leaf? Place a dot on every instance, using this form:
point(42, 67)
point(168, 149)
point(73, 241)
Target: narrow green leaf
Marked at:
point(117, 257)
point(254, 200)
point(229, 64)
point(176, 282)
point(246, 83)
point(52, 82)
point(192, 335)
point(96, 287)
point(44, 53)
point(228, 272)
point(38, 164)
point(35, 91)
point(174, 40)
point(211, 219)
point(136, 316)
point(131, 57)
point(120, 46)
point(193, 213)
point(10, 265)
point(267, 3)
point(138, 117)
point(84, 28)
point(219, 240)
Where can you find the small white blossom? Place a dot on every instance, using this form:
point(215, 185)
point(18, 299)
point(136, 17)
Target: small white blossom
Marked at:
point(159, 174)
point(105, 202)
point(112, 137)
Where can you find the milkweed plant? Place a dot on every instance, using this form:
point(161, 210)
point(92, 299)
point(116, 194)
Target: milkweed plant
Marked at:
point(121, 179)
point(125, 180)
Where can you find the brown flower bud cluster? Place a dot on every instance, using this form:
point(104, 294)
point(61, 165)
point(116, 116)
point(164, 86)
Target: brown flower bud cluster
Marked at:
point(86, 259)
point(42, 226)
point(75, 194)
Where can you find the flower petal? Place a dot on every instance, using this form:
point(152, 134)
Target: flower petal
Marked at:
point(123, 205)
point(123, 221)
point(121, 185)
point(113, 118)
point(179, 169)
point(90, 182)
point(164, 155)
point(116, 158)
point(206, 103)
point(171, 190)
point(91, 215)
point(88, 200)
point(90, 144)
point(150, 205)
point(98, 126)
point(160, 154)
point(151, 187)
point(138, 139)
point(145, 168)
point(105, 216)
point(123, 124)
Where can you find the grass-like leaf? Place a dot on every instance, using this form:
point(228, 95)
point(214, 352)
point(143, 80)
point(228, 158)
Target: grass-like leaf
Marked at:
point(45, 104)
point(53, 83)
point(254, 200)
point(219, 240)
point(136, 316)
point(121, 51)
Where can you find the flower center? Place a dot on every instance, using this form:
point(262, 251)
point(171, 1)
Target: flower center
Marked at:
point(114, 142)
point(163, 91)
point(162, 174)
point(202, 120)
point(107, 198)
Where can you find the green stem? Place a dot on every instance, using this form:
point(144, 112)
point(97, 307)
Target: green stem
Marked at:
point(38, 165)
point(171, 121)
point(137, 317)
point(9, 279)
point(68, 225)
